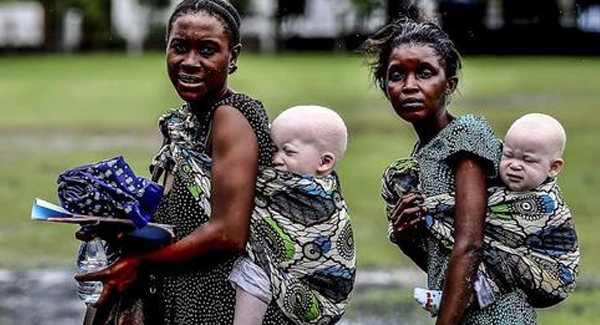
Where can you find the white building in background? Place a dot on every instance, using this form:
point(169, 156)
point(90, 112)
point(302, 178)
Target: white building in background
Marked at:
point(21, 24)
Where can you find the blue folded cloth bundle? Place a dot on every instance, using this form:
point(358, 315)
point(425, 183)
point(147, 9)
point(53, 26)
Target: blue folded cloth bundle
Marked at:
point(109, 188)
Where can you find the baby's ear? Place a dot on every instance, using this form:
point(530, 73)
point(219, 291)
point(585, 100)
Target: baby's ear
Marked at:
point(556, 167)
point(327, 163)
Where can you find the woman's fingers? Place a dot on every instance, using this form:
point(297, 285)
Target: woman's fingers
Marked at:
point(409, 200)
point(408, 225)
point(98, 275)
point(104, 296)
point(407, 216)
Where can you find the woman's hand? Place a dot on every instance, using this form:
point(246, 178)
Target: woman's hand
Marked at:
point(118, 276)
point(108, 232)
point(407, 213)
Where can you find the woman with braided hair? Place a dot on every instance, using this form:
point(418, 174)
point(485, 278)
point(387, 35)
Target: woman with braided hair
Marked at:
point(187, 281)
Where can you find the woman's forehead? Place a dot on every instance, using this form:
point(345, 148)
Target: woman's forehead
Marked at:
point(196, 24)
point(416, 51)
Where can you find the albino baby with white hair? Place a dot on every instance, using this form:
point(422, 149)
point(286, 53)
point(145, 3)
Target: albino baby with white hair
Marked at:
point(310, 141)
point(532, 152)
point(528, 225)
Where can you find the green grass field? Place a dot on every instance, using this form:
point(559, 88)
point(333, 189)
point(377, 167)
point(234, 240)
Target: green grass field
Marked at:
point(60, 112)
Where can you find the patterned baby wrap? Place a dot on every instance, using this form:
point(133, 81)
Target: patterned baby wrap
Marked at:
point(300, 230)
point(530, 239)
point(302, 237)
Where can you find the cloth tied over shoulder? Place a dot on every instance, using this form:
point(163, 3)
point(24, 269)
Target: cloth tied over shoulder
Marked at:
point(530, 239)
point(109, 188)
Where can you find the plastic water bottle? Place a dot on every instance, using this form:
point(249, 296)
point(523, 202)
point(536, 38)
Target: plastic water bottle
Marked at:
point(91, 257)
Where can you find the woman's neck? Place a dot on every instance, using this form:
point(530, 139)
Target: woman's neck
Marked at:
point(200, 107)
point(429, 129)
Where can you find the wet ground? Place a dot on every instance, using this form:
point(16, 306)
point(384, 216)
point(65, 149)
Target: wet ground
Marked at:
point(47, 297)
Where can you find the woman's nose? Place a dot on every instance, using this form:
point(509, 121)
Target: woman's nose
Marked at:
point(191, 60)
point(410, 84)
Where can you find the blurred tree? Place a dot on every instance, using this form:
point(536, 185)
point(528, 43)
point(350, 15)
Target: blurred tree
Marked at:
point(543, 14)
point(364, 10)
point(242, 6)
point(290, 8)
point(401, 8)
point(155, 38)
point(97, 32)
point(53, 11)
point(96, 21)
point(286, 8)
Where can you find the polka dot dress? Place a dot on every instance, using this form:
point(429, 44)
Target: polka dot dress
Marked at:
point(471, 135)
point(199, 291)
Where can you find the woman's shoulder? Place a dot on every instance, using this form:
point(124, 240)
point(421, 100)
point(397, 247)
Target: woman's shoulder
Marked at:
point(254, 112)
point(472, 123)
point(252, 109)
point(471, 130)
point(467, 134)
point(241, 101)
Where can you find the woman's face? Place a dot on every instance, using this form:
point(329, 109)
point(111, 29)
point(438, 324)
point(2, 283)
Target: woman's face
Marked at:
point(198, 56)
point(417, 85)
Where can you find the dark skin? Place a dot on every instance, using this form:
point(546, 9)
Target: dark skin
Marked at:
point(199, 50)
point(417, 87)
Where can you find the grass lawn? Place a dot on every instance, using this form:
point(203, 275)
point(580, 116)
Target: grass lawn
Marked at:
point(60, 112)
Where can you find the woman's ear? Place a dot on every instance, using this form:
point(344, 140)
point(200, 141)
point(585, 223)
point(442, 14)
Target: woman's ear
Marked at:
point(327, 163)
point(233, 57)
point(451, 85)
point(556, 167)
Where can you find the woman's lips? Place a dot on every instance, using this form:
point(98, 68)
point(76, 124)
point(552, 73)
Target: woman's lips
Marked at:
point(189, 80)
point(411, 104)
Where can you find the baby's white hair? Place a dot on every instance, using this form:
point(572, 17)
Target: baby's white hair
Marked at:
point(328, 127)
point(551, 127)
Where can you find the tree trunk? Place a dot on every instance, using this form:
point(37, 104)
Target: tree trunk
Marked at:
point(401, 8)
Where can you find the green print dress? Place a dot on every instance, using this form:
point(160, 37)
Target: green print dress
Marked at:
point(468, 135)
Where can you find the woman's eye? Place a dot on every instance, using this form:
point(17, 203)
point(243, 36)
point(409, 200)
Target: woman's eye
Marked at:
point(425, 73)
point(396, 76)
point(207, 51)
point(179, 48)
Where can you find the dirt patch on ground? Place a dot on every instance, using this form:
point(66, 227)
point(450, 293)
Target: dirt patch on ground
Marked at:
point(47, 297)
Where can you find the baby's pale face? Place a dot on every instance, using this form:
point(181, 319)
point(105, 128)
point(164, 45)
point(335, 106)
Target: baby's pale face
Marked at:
point(527, 159)
point(295, 151)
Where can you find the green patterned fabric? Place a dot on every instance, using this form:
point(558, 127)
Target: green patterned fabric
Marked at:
point(530, 239)
point(302, 237)
point(300, 230)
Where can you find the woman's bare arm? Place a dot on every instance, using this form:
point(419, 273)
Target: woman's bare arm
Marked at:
point(234, 170)
point(469, 217)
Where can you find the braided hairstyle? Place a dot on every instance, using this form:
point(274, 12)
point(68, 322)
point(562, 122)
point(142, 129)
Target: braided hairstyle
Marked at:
point(406, 31)
point(220, 9)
